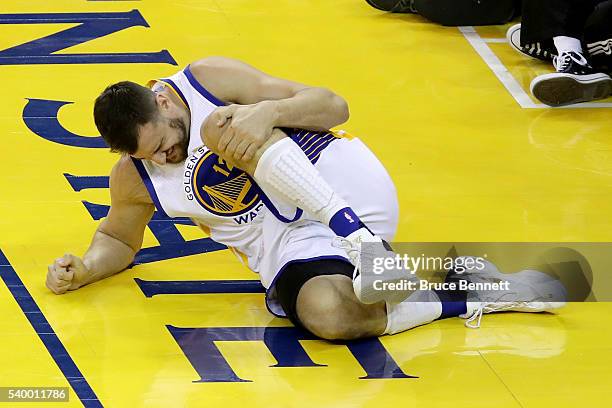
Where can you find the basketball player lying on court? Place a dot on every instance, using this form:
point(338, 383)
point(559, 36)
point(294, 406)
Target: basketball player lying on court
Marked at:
point(249, 157)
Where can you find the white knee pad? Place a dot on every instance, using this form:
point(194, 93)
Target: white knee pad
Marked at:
point(285, 171)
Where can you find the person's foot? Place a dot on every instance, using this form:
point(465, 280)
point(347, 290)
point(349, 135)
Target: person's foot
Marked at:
point(544, 50)
point(363, 248)
point(575, 81)
point(571, 62)
point(393, 6)
point(526, 291)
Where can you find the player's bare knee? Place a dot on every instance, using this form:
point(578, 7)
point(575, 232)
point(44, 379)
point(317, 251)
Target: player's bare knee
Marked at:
point(326, 311)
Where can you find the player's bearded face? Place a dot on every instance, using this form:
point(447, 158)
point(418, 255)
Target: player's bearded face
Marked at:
point(178, 125)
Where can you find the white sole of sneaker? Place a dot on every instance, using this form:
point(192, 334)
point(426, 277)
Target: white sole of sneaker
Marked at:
point(513, 35)
point(558, 89)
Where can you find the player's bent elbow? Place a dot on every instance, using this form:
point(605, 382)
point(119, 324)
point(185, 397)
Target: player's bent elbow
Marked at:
point(342, 108)
point(210, 133)
point(338, 108)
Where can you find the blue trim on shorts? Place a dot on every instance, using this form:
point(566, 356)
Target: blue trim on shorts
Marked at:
point(277, 214)
point(282, 269)
point(198, 87)
point(149, 184)
point(47, 335)
point(311, 143)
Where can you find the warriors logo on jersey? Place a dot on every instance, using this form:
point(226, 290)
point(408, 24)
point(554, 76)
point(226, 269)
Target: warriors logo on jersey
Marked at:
point(219, 188)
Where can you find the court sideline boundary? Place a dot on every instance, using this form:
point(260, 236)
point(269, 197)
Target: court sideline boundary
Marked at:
point(47, 335)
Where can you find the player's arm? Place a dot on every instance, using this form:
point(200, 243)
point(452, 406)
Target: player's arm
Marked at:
point(290, 104)
point(261, 102)
point(116, 240)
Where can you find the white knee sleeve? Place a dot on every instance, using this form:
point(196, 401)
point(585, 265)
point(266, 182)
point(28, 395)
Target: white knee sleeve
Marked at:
point(285, 171)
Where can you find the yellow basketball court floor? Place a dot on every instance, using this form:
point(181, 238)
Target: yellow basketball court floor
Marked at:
point(448, 111)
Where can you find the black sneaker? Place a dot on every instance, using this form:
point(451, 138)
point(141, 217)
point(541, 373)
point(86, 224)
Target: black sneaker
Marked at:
point(575, 81)
point(393, 6)
point(572, 63)
point(544, 50)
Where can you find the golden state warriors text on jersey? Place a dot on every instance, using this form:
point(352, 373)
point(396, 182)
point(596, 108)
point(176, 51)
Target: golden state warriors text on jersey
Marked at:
point(219, 188)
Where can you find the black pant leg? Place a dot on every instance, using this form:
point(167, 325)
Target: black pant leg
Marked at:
point(598, 36)
point(518, 8)
point(466, 12)
point(545, 19)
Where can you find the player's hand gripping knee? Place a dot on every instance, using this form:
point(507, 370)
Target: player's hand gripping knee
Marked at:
point(249, 126)
point(66, 273)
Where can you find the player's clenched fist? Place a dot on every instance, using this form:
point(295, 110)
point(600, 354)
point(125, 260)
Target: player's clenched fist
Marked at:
point(66, 274)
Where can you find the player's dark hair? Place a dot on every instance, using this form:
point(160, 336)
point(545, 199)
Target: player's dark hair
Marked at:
point(118, 112)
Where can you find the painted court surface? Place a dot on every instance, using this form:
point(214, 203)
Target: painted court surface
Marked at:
point(447, 110)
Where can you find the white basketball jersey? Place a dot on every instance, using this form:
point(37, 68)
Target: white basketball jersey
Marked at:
point(224, 200)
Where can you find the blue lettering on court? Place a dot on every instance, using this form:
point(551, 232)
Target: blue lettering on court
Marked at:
point(90, 26)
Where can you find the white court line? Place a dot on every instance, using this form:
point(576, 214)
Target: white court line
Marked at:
point(498, 68)
point(506, 78)
point(494, 40)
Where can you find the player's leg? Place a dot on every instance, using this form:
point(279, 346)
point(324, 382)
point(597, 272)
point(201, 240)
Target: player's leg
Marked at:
point(319, 296)
point(346, 172)
point(309, 282)
point(326, 305)
point(283, 171)
point(309, 279)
